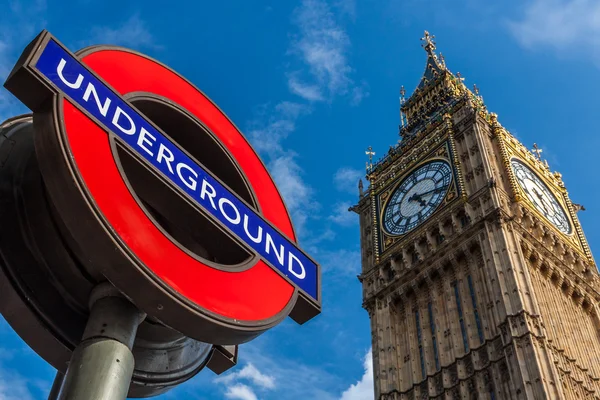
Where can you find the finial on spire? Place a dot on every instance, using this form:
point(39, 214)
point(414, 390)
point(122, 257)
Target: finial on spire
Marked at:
point(434, 67)
point(477, 94)
point(402, 100)
point(537, 151)
point(428, 42)
point(361, 189)
point(370, 153)
point(459, 76)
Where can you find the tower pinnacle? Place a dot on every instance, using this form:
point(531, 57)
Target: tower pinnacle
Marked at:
point(428, 42)
point(435, 66)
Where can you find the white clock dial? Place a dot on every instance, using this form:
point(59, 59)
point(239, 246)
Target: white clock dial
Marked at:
point(417, 197)
point(541, 197)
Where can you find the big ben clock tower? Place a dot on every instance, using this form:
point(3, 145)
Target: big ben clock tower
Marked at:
point(476, 274)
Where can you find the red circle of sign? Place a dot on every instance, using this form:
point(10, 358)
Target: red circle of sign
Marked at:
point(256, 294)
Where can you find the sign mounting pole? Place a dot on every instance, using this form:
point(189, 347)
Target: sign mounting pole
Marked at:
point(102, 364)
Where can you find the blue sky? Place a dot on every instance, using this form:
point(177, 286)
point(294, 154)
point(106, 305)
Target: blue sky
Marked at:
point(312, 83)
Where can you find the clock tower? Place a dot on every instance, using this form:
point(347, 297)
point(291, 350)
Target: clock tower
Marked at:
point(476, 274)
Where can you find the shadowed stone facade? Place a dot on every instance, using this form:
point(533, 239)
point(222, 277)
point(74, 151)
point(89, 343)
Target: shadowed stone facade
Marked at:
point(486, 298)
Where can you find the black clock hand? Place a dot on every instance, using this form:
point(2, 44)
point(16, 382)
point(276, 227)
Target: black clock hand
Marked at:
point(431, 191)
point(539, 196)
point(547, 206)
point(417, 197)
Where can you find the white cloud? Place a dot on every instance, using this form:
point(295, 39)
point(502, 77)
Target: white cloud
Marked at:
point(297, 194)
point(240, 392)
point(309, 92)
point(342, 216)
point(266, 137)
point(363, 389)
point(563, 25)
point(358, 94)
point(133, 33)
point(298, 380)
point(346, 7)
point(252, 374)
point(13, 386)
point(274, 124)
point(339, 264)
point(323, 46)
point(346, 179)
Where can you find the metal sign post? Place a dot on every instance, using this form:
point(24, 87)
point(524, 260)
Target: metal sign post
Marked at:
point(102, 364)
point(149, 186)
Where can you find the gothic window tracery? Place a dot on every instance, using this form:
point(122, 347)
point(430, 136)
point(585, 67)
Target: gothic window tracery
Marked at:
point(433, 337)
point(420, 343)
point(464, 219)
point(461, 319)
point(475, 311)
point(439, 237)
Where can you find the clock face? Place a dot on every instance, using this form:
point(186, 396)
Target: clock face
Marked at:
point(541, 197)
point(417, 197)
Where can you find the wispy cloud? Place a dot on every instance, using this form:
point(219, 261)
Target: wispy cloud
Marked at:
point(346, 7)
point(340, 263)
point(363, 389)
point(310, 92)
point(267, 135)
point(272, 125)
point(342, 216)
point(565, 26)
point(13, 386)
point(322, 45)
point(240, 392)
point(300, 380)
point(346, 179)
point(133, 33)
point(298, 195)
point(249, 373)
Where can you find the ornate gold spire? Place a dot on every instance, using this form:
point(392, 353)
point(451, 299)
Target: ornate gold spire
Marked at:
point(438, 89)
point(434, 66)
point(438, 92)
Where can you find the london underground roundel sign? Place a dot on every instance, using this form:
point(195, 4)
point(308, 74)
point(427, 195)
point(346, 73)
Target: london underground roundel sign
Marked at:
point(161, 195)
